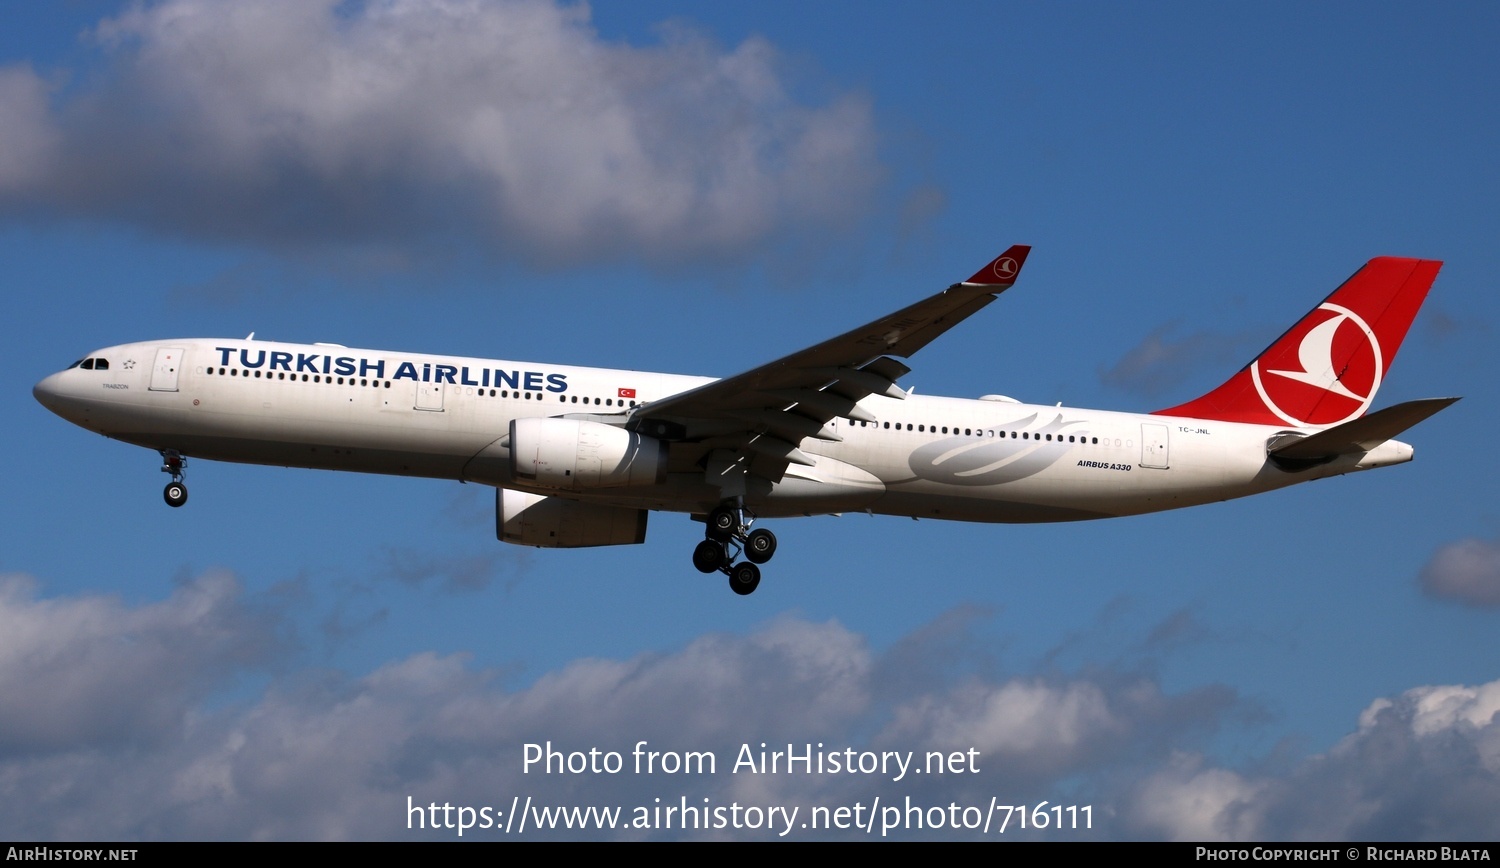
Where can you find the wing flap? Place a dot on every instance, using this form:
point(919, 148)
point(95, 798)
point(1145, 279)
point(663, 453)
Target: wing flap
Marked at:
point(856, 383)
point(827, 406)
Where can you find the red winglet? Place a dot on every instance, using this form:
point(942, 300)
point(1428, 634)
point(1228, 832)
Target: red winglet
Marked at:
point(1003, 269)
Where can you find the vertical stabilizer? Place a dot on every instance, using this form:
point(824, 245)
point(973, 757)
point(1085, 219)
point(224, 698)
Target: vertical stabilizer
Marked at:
point(1326, 369)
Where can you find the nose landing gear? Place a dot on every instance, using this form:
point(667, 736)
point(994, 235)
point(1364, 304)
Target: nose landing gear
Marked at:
point(728, 535)
point(175, 494)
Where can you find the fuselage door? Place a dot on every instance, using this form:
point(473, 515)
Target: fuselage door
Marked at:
point(430, 397)
point(164, 373)
point(1154, 445)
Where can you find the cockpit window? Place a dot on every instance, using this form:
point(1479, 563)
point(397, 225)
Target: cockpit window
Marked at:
point(75, 364)
point(101, 364)
point(87, 364)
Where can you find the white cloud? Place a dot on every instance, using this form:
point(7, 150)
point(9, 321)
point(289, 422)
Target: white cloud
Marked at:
point(1040, 731)
point(115, 726)
point(1187, 802)
point(1467, 571)
point(511, 123)
point(1020, 721)
point(1424, 766)
point(92, 671)
point(321, 755)
point(1431, 712)
point(27, 135)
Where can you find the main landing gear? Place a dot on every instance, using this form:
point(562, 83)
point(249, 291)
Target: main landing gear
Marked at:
point(728, 535)
point(175, 494)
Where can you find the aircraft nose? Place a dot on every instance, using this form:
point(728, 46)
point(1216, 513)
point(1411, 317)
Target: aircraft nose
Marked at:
point(48, 392)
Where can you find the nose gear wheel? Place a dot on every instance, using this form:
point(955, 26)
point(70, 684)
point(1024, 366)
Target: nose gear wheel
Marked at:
point(173, 462)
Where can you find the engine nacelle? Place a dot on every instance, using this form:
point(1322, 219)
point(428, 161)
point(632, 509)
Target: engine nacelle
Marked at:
point(558, 523)
point(576, 455)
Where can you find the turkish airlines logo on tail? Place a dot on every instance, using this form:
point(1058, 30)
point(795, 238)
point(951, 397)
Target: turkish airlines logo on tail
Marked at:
point(1334, 375)
point(1005, 268)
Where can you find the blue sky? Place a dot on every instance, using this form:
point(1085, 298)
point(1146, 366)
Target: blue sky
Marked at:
point(697, 189)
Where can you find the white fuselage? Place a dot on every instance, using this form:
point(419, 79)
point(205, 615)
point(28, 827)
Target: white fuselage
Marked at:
point(336, 408)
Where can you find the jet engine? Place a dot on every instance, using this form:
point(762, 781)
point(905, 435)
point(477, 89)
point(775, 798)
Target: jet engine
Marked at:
point(576, 455)
point(558, 523)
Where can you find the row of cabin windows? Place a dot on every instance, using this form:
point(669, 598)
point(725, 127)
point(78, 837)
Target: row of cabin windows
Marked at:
point(608, 402)
point(103, 365)
point(323, 378)
point(980, 432)
point(281, 375)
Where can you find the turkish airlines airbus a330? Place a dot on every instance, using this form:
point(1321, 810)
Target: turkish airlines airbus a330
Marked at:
point(580, 456)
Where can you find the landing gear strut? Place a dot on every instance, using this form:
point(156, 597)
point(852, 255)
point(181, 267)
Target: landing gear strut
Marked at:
point(175, 494)
point(728, 534)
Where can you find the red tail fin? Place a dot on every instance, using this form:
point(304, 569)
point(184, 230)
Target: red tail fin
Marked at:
point(1326, 369)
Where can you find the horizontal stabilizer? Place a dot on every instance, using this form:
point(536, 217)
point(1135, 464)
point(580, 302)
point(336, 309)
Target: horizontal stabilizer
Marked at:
point(1362, 434)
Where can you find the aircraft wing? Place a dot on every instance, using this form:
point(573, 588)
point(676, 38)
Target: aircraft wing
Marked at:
point(763, 414)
